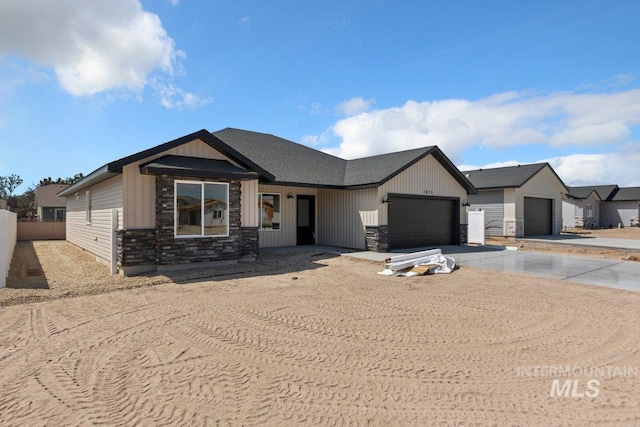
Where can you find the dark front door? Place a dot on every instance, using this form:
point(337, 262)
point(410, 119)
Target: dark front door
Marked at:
point(306, 211)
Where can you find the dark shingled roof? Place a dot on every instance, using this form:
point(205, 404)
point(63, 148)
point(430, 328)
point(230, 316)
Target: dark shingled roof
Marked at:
point(194, 166)
point(582, 192)
point(287, 161)
point(292, 163)
point(505, 177)
point(279, 161)
point(627, 194)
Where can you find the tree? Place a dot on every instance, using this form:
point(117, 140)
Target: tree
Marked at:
point(69, 181)
point(8, 184)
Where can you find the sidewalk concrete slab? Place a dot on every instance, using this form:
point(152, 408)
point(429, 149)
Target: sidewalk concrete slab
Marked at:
point(581, 240)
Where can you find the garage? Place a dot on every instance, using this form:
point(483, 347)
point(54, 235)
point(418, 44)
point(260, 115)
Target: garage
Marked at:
point(422, 221)
point(538, 214)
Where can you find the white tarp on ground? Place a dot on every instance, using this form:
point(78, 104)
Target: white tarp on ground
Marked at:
point(418, 263)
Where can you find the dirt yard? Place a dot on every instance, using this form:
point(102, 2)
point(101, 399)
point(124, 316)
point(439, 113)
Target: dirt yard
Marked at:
point(312, 338)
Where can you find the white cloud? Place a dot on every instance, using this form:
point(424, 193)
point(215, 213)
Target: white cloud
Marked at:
point(92, 46)
point(245, 20)
point(499, 121)
point(354, 106)
point(171, 96)
point(174, 2)
point(586, 169)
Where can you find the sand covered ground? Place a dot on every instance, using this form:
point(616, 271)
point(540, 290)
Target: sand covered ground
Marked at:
point(313, 338)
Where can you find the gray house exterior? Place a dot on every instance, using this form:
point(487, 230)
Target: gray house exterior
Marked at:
point(622, 207)
point(519, 201)
point(207, 198)
point(583, 205)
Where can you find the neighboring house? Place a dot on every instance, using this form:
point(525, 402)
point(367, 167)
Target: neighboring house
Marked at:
point(209, 197)
point(3, 204)
point(518, 201)
point(49, 206)
point(582, 205)
point(623, 208)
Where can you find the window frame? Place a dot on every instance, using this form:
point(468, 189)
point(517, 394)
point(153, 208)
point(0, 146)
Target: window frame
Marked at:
point(260, 228)
point(87, 207)
point(176, 215)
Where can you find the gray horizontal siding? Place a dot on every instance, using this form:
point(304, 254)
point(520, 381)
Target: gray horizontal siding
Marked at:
point(492, 203)
point(95, 237)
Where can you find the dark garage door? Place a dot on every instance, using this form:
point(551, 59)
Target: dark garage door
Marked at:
point(537, 216)
point(421, 221)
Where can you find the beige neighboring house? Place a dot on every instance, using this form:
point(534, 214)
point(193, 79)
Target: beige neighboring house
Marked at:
point(519, 201)
point(210, 197)
point(3, 204)
point(49, 206)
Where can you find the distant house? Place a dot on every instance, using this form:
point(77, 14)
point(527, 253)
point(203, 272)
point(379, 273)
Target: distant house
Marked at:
point(518, 201)
point(49, 206)
point(209, 197)
point(582, 205)
point(3, 204)
point(622, 207)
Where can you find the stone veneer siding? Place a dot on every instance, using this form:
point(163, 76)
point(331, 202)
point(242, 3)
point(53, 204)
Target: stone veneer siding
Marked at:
point(136, 247)
point(171, 250)
point(464, 229)
point(249, 243)
point(377, 238)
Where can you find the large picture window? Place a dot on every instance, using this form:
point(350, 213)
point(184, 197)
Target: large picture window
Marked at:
point(269, 211)
point(202, 209)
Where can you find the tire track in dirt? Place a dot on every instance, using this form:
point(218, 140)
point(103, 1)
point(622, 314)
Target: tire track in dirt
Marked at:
point(321, 349)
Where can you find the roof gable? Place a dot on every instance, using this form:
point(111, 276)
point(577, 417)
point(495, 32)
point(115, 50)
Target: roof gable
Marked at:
point(507, 177)
point(582, 192)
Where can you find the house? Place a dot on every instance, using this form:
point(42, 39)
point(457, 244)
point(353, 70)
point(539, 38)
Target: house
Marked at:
point(581, 206)
point(3, 204)
point(211, 197)
point(518, 201)
point(622, 207)
point(50, 206)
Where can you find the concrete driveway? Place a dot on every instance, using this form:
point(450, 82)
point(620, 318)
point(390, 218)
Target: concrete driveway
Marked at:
point(579, 269)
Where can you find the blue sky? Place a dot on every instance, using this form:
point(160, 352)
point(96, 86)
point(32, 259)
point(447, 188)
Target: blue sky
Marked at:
point(490, 82)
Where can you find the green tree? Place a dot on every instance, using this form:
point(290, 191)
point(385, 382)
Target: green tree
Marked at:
point(8, 184)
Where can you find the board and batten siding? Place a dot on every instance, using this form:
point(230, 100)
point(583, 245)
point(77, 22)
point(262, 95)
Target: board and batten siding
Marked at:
point(249, 214)
point(343, 215)
point(427, 177)
point(619, 212)
point(287, 235)
point(140, 190)
point(570, 210)
point(492, 203)
point(95, 237)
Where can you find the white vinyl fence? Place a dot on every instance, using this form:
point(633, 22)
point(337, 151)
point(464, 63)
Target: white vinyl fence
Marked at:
point(8, 237)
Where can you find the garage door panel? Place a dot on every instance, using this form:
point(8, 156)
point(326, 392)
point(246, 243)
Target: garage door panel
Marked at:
point(417, 222)
point(538, 214)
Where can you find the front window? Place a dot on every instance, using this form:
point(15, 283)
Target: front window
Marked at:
point(269, 211)
point(202, 209)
